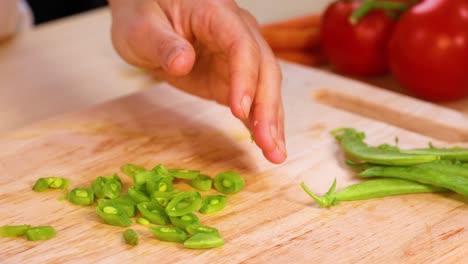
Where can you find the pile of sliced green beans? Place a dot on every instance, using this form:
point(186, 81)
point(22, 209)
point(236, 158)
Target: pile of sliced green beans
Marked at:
point(397, 171)
point(154, 201)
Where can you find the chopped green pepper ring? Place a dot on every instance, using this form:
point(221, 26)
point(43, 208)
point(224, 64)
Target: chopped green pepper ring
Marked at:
point(130, 237)
point(204, 240)
point(153, 212)
point(184, 203)
point(195, 229)
point(136, 195)
point(168, 233)
point(132, 169)
point(43, 184)
point(113, 215)
point(228, 182)
point(202, 182)
point(13, 231)
point(213, 203)
point(184, 220)
point(184, 174)
point(81, 196)
point(40, 233)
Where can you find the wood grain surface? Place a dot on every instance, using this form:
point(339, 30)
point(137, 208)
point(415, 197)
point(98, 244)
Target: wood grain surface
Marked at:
point(272, 220)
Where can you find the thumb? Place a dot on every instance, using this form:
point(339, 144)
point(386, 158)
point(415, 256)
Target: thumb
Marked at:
point(149, 41)
point(168, 49)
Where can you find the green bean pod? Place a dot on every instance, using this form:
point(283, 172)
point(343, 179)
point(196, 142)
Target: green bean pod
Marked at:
point(454, 182)
point(455, 153)
point(370, 189)
point(353, 144)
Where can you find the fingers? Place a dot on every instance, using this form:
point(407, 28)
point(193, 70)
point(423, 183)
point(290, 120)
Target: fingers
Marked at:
point(144, 37)
point(267, 120)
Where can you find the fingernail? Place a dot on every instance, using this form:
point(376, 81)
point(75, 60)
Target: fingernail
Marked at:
point(172, 55)
point(246, 102)
point(280, 144)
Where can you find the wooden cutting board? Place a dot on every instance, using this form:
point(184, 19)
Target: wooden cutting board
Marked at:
point(272, 220)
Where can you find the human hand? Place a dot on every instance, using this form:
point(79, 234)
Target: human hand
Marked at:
point(209, 48)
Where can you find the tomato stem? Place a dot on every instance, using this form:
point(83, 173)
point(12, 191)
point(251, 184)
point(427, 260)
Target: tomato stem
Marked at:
point(369, 5)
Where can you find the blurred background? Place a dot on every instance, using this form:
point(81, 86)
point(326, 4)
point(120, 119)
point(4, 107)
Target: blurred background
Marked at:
point(47, 10)
point(264, 10)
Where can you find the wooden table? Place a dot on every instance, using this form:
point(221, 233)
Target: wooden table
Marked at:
point(271, 221)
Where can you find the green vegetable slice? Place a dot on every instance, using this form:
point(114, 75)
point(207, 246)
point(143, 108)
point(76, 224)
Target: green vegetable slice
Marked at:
point(43, 184)
point(40, 233)
point(204, 241)
point(184, 220)
point(213, 203)
point(195, 229)
point(81, 196)
point(202, 182)
point(113, 215)
point(228, 182)
point(168, 233)
point(184, 203)
point(153, 212)
point(184, 174)
point(13, 230)
point(130, 237)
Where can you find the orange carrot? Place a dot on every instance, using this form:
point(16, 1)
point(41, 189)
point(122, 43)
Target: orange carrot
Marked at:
point(301, 57)
point(306, 21)
point(292, 38)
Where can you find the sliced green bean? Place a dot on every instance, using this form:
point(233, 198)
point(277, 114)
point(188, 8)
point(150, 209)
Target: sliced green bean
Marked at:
point(454, 182)
point(163, 198)
point(229, 182)
point(132, 169)
point(184, 203)
point(130, 237)
point(202, 182)
point(113, 215)
point(168, 233)
point(40, 233)
point(203, 241)
point(137, 195)
point(370, 189)
point(127, 207)
point(213, 203)
point(353, 144)
point(153, 212)
point(43, 184)
point(81, 196)
point(143, 221)
point(184, 174)
point(196, 228)
point(184, 220)
point(13, 231)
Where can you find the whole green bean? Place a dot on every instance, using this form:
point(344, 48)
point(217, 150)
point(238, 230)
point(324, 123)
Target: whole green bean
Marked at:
point(370, 189)
point(454, 182)
point(353, 144)
point(454, 153)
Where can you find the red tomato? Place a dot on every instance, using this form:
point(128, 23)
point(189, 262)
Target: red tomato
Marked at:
point(359, 49)
point(428, 52)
